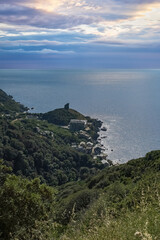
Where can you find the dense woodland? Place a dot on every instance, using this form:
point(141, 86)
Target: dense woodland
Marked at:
point(51, 158)
point(50, 191)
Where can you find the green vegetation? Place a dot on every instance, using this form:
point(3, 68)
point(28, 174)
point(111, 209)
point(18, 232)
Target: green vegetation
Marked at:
point(26, 207)
point(122, 202)
point(35, 148)
point(88, 202)
point(127, 207)
point(8, 105)
point(62, 116)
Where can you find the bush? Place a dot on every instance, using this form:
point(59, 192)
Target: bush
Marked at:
point(26, 208)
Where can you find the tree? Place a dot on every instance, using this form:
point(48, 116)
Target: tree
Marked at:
point(26, 208)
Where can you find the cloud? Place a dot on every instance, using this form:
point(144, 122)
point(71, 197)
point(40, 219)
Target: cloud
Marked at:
point(132, 43)
point(137, 1)
point(29, 43)
point(42, 51)
point(37, 43)
point(67, 14)
point(27, 16)
point(50, 51)
point(54, 27)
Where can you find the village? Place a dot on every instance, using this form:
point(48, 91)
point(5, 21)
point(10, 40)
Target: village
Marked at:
point(80, 128)
point(94, 148)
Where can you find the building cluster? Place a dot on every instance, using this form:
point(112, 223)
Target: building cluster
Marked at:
point(45, 133)
point(96, 150)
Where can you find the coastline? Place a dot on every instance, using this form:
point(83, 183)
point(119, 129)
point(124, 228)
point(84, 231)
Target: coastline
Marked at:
point(102, 140)
point(109, 101)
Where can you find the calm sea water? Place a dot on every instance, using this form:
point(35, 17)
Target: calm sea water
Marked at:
point(127, 101)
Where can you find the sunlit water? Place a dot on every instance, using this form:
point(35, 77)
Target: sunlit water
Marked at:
point(127, 101)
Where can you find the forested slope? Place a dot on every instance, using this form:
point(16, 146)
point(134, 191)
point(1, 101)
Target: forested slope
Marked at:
point(86, 200)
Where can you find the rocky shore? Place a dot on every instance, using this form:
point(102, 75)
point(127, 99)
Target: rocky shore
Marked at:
point(94, 147)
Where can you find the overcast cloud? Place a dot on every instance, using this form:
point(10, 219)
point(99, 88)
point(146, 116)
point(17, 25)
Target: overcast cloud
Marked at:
point(76, 29)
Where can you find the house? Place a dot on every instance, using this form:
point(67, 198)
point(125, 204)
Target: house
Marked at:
point(77, 125)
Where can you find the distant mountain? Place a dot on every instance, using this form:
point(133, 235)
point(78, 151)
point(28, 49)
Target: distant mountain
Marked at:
point(8, 104)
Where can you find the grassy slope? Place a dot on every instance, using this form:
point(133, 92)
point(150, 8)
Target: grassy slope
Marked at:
point(127, 207)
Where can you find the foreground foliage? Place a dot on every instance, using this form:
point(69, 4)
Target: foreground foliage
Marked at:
point(126, 205)
point(26, 207)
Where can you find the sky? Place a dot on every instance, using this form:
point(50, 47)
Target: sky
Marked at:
point(79, 34)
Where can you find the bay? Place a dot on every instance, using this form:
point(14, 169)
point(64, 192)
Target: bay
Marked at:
point(127, 101)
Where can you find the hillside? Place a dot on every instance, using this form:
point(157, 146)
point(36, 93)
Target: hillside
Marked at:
point(62, 116)
point(121, 202)
point(9, 105)
point(35, 148)
point(86, 200)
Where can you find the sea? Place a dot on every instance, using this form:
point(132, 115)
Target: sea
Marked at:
point(127, 101)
